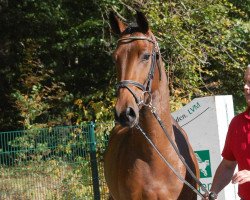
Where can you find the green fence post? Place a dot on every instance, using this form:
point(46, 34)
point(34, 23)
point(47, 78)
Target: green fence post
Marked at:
point(93, 161)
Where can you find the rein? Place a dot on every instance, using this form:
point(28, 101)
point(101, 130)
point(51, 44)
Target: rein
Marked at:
point(153, 110)
point(147, 89)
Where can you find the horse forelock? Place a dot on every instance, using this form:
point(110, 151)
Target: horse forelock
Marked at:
point(132, 28)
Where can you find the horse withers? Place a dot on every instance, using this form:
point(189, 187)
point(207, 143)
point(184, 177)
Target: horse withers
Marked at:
point(140, 161)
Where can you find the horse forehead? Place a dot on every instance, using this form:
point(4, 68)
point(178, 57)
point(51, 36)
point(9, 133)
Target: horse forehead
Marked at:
point(133, 45)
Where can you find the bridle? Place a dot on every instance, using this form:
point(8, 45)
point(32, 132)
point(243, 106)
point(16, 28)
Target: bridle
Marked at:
point(146, 87)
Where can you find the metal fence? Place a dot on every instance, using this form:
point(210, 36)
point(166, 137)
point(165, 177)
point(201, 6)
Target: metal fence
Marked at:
point(54, 163)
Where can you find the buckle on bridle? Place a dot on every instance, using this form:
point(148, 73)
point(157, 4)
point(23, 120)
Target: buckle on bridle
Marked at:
point(146, 101)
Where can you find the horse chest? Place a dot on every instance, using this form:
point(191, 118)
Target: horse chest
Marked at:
point(137, 177)
point(146, 186)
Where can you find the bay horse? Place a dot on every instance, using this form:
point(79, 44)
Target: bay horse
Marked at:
point(138, 149)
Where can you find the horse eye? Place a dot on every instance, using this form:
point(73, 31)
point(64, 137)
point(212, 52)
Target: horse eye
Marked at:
point(146, 56)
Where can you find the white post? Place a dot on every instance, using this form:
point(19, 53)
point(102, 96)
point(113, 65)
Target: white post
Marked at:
point(206, 121)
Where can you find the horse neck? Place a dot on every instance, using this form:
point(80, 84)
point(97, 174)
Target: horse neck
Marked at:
point(160, 100)
point(160, 96)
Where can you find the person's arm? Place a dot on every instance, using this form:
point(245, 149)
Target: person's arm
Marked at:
point(223, 175)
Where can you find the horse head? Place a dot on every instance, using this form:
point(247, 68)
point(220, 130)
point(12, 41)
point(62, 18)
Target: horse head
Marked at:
point(135, 57)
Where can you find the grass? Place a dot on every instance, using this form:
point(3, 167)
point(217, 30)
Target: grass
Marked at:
point(50, 180)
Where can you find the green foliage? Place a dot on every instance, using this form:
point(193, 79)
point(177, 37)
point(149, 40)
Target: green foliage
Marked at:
point(204, 45)
point(53, 54)
point(98, 106)
point(51, 163)
point(56, 66)
point(47, 180)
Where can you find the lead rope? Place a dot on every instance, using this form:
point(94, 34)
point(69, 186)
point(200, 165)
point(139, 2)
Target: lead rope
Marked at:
point(153, 110)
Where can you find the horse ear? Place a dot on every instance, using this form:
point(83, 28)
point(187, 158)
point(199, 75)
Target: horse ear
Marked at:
point(116, 24)
point(142, 21)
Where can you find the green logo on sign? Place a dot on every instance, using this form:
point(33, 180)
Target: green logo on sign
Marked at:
point(203, 158)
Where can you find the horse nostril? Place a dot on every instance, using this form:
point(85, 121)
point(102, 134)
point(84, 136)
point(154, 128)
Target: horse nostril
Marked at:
point(130, 113)
point(127, 117)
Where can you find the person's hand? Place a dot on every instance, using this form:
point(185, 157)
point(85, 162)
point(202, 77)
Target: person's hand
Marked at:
point(205, 196)
point(210, 196)
point(241, 177)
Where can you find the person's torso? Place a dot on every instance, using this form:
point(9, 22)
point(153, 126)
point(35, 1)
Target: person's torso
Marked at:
point(240, 146)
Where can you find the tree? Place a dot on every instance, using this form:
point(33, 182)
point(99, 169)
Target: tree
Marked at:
point(52, 55)
point(55, 56)
point(204, 45)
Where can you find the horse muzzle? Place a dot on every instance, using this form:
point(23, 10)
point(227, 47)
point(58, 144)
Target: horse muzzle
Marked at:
point(128, 102)
point(127, 117)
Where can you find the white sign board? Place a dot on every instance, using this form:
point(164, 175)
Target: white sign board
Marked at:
point(206, 121)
